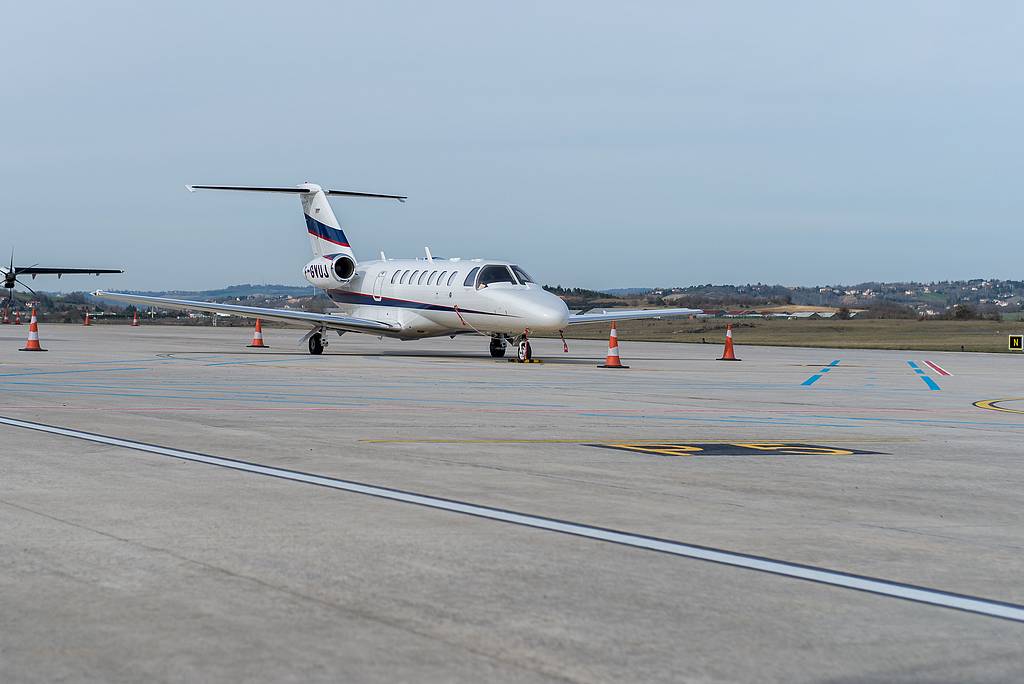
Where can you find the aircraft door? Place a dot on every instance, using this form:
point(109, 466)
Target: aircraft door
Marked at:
point(378, 285)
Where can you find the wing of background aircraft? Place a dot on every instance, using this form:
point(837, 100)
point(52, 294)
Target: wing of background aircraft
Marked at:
point(51, 270)
point(11, 274)
point(605, 316)
point(300, 318)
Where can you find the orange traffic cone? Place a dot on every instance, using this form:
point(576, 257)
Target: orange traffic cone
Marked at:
point(33, 335)
point(87, 322)
point(257, 336)
point(729, 354)
point(7, 317)
point(135, 320)
point(612, 360)
point(17, 317)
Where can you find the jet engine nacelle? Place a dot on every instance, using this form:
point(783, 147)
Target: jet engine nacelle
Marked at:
point(326, 274)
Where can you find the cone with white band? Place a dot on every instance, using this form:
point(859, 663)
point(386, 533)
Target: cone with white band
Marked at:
point(87, 321)
point(729, 354)
point(257, 336)
point(612, 360)
point(135, 320)
point(7, 317)
point(17, 317)
point(33, 335)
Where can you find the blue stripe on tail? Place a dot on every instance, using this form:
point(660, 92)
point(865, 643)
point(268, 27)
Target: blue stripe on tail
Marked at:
point(325, 232)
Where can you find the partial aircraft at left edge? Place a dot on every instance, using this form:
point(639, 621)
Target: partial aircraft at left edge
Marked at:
point(12, 274)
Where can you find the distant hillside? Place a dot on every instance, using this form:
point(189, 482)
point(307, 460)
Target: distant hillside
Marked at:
point(960, 299)
point(628, 291)
point(235, 291)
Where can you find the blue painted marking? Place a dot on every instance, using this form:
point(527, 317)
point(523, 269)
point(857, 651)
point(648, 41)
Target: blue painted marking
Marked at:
point(932, 385)
point(244, 396)
point(814, 378)
point(91, 370)
point(278, 360)
point(162, 359)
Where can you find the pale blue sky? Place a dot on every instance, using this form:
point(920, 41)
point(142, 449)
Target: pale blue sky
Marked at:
point(599, 144)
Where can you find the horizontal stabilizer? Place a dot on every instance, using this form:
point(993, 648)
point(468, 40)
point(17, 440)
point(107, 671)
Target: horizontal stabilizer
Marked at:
point(295, 190)
point(250, 188)
point(348, 193)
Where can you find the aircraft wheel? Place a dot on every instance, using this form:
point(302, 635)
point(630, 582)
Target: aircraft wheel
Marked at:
point(525, 353)
point(316, 344)
point(497, 347)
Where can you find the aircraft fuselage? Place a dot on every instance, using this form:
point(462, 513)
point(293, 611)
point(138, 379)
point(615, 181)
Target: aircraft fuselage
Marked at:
point(435, 297)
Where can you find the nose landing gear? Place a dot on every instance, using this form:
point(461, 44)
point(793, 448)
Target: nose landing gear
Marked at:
point(524, 352)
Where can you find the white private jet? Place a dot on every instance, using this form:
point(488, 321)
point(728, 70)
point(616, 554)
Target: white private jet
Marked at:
point(406, 299)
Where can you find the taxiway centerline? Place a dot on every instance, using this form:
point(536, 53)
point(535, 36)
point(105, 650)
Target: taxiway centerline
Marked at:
point(874, 585)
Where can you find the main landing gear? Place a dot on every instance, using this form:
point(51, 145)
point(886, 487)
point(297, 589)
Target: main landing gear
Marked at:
point(317, 343)
point(498, 346)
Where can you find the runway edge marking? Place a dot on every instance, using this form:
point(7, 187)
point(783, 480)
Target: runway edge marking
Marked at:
point(836, 578)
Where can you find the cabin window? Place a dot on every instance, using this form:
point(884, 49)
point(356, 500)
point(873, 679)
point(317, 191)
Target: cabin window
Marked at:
point(440, 278)
point(394, 277)
point(471, 277)
point(451, 278)
point(430, 279)
point(423, 276)
point(412, 278)
point(405, 277)
point(494, 274)
point(522, 275)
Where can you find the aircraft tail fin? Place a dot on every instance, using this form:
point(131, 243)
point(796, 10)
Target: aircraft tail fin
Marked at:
point(325, 233)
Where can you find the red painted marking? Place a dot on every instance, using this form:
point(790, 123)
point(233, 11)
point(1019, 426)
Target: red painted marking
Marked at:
point(938, 369)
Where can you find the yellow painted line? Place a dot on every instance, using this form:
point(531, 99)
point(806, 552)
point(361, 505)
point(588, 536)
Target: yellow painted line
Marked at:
point(993, 405)
point(660, 449)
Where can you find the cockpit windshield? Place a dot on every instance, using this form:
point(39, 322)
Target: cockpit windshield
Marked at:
point(523, 276)
point(494, 274)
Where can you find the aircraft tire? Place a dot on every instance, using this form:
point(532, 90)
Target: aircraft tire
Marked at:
point(316, 344)
point(524, 353)
point(497, 348)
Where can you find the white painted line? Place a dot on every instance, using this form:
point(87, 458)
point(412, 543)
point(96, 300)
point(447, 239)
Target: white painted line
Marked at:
point(909, 592)
point(938, 369)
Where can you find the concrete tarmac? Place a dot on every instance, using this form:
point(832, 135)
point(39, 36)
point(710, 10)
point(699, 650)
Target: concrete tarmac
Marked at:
point(118, 564)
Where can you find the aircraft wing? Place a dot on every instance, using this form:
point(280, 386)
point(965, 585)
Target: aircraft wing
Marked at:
point(301, 318)
point(632, 314)
point(50, 270)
